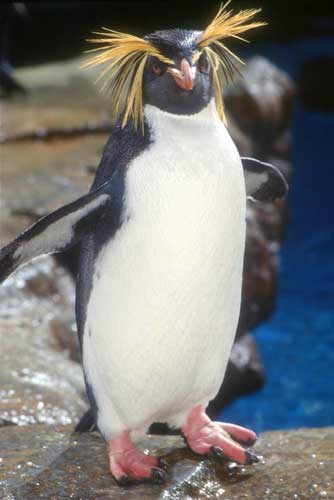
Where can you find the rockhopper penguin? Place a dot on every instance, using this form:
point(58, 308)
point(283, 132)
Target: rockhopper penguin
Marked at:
point(162, 236)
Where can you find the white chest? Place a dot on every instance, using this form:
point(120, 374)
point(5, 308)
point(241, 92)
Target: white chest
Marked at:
point(186, 192)
point(170, 280)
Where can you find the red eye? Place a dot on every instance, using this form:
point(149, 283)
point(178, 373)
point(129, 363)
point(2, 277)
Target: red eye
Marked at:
point(157, 70)
point(203, 65)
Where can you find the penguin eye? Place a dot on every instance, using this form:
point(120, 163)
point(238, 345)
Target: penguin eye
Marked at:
point(203, 64)
point(156, 69)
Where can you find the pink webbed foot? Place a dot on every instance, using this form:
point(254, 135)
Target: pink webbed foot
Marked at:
point(129, 465)
point(218, 439)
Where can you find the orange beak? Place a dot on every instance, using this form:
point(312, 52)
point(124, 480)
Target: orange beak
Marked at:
point(185, 76)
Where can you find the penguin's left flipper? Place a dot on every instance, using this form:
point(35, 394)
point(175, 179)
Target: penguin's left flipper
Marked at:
point(264, 182)
point(57, 231)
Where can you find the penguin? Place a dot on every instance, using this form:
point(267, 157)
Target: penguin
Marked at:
point(162, 237)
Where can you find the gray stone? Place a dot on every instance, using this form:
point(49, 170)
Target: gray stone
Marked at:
point(39, 381)
point(260, 104)
point(43, 462)
point(39, 176)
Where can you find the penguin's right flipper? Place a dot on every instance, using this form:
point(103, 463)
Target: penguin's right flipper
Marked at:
point(56, 232)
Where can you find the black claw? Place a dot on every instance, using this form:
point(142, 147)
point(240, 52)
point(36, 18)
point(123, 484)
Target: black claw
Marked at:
point(124, 481)
point(157, 476)
point(251, 441)
point(251, 458)
point(246, 444)
point(217, 452)
point(162, 463)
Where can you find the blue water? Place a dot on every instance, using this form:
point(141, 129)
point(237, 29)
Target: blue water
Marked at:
point(297, 343)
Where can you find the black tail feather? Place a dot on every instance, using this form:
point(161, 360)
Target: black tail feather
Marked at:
point(87, 423)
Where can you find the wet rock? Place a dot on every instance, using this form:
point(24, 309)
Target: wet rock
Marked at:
point(42, 462)
point(38, 384)
point(64, 335)
point(41, 285)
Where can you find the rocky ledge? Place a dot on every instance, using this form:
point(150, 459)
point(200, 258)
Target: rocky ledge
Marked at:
point(44, 462)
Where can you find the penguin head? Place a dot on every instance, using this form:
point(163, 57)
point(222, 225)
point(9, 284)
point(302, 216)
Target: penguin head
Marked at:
point(178, 71)
point(185, 86)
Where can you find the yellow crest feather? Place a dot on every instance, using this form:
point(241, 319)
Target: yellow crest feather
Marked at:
point(228, 24)
point(127, 55)
point(225, 24)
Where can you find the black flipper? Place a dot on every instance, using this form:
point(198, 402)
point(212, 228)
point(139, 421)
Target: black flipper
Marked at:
point(57, 231)
point(264, 182)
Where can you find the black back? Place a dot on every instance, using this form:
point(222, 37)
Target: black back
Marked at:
point(123, 146)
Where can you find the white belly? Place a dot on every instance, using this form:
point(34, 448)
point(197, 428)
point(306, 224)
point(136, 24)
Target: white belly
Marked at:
point(163, 313)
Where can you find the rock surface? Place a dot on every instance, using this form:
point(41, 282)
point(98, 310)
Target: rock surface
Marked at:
point(39, 381)
point(43, 462)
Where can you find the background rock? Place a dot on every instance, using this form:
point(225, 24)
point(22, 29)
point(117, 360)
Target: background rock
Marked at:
point(260, 105)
